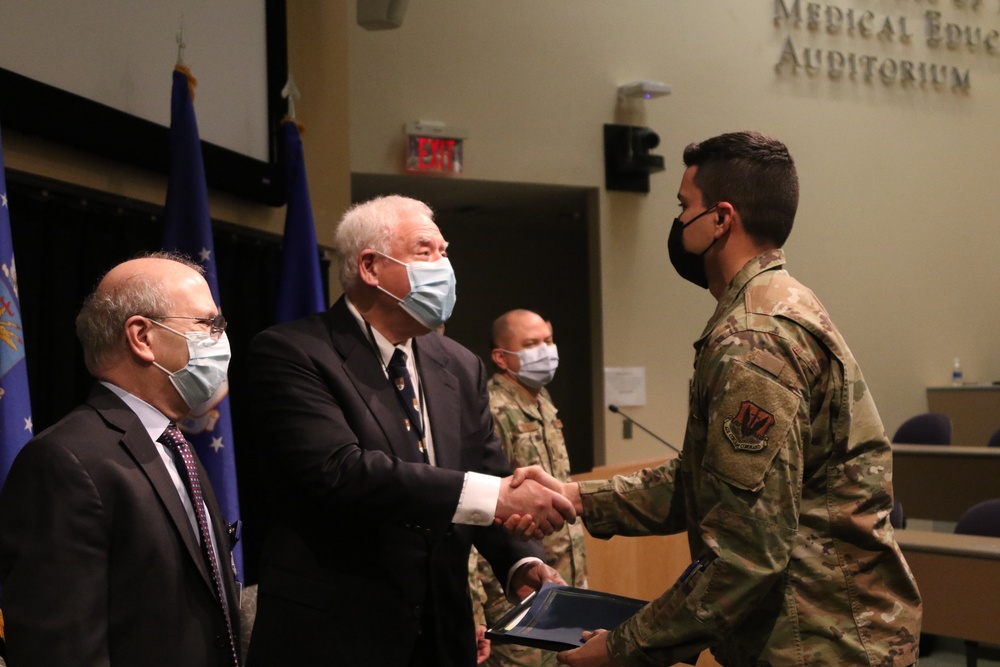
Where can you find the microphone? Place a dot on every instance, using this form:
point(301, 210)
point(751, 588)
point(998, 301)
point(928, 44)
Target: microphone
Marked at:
point(614, 409)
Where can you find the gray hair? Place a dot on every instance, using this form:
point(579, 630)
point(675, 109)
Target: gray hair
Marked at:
point(100, 326)
point(371, 225)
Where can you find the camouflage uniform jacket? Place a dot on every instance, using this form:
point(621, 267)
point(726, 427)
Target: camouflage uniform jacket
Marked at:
point(531, 434)
point(784, 489)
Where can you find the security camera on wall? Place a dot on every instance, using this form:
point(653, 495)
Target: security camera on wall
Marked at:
point(381, 14)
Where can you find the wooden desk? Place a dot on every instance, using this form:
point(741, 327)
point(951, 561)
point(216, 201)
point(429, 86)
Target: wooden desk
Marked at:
point(957, 577)
point(941, 481)
point(638, 567)
point(974, 410)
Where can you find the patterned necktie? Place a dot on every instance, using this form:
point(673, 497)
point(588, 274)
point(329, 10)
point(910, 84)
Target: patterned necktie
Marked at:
point(174, 440)
point(400, 378)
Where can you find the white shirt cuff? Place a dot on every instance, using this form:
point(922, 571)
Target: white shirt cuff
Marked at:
point(478, 503)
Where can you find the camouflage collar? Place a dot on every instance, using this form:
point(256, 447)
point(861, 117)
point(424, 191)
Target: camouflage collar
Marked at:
point(766, 261)
point(521, 396)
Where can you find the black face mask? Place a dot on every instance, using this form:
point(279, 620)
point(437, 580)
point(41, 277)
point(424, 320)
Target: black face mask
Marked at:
point(689, 265)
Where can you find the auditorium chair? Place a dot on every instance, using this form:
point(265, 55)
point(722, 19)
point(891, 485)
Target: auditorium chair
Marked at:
point(928, 428)
point(980, 519)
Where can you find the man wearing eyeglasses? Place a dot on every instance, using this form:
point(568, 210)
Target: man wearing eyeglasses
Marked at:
point(113, 549)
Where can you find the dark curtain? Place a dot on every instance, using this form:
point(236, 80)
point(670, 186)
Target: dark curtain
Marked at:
point(66, 238)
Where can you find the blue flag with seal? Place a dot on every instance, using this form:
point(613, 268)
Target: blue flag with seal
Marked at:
point(188, 229)
point(300, 291)
point(15, 403)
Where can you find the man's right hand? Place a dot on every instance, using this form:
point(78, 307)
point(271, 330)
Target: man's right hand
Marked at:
point(523, 526)
point(571, 490)
point(548, 510)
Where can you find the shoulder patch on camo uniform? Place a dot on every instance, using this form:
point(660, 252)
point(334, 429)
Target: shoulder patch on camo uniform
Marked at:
point(748, 425)
point(747, 429)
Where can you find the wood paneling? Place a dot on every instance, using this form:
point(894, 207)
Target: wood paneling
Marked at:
point(638, 567)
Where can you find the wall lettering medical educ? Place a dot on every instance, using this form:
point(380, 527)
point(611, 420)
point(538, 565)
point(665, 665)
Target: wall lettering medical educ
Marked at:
point(922, 44)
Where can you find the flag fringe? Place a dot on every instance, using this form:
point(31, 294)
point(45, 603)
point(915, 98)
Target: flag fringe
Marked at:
point(192, 82)
point(300, 126)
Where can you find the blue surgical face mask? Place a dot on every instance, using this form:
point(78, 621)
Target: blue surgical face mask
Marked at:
point(538, 364)
point(208, 363)
point(432, 291)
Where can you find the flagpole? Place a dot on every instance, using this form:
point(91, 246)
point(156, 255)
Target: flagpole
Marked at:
point(300, 287)
point(188, 229)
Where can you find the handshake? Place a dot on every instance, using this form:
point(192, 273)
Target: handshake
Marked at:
point(533, 503)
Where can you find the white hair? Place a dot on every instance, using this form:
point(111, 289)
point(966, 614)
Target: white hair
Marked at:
point(371, 225)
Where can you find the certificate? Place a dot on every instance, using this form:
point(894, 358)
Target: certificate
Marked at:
point(554, 618)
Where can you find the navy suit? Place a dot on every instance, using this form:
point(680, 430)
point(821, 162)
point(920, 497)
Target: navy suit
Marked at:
point(363, 565)
point(98, 560)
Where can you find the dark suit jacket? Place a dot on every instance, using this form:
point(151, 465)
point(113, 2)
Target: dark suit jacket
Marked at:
point(362, 555)
point(98, 561)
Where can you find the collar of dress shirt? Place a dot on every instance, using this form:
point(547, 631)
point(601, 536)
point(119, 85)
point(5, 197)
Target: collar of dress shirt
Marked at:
point(154, 421)
point(385, 348)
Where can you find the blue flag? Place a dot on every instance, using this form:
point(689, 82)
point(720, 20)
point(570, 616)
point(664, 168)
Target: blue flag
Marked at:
point(300, 292)
point(15, 404)
point(189, 230)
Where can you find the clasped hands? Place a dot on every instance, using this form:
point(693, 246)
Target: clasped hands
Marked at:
point(533, 503)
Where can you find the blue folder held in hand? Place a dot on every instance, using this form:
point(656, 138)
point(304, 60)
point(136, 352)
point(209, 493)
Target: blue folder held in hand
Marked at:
point(555, 617)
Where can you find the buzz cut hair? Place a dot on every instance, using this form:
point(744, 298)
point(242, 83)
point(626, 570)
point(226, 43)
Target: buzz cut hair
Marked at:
point(753, 172)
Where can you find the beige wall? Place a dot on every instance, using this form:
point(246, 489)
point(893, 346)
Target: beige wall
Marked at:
point(317, 60)
point(896, 229)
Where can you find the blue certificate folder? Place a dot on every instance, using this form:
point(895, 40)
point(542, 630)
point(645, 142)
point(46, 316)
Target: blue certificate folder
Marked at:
point(556, 616)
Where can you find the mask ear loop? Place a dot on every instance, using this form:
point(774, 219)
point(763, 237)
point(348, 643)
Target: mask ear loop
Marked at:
point(507, 369)
point(182, 335)
point(385, 291)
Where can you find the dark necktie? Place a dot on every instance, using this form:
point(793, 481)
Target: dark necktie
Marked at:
point(174, 440)
point(400, 378)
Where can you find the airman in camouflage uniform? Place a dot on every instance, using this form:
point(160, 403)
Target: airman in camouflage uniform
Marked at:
point(531, 432)
point(785, 483)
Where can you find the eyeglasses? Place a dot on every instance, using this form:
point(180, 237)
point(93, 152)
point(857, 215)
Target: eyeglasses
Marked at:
point(217, 324)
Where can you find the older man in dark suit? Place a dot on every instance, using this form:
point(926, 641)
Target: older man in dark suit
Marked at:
point(384, 465)
point(113, 550)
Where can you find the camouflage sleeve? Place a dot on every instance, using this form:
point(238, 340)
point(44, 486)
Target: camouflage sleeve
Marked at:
point(745, 478)
point(476, 590)
point(646, 502)
point(505, 420)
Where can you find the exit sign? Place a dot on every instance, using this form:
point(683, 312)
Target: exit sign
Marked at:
point(434, 149)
